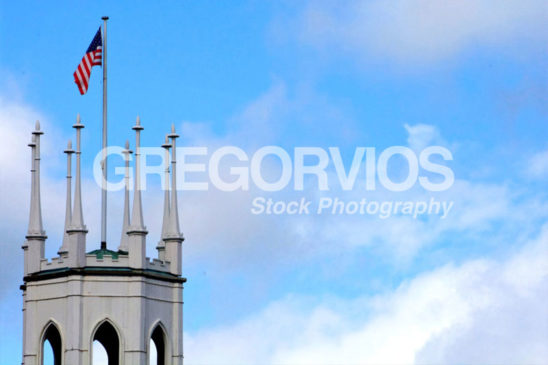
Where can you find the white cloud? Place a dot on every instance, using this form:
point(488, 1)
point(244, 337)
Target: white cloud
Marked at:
point(422, 135)
point(423, 31)
point(537, 166)
point(482, 311)
point(17, 120)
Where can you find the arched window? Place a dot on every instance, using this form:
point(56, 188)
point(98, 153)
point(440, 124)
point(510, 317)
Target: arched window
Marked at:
point(51, 339)
point(107, 338)
point(157, 347)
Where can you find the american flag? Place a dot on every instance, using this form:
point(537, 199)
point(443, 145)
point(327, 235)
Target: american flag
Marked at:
point(91, 58)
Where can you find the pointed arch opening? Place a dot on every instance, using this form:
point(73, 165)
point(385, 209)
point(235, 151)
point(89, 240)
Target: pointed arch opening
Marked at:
point(52, 339)
point(157, 347)
point(107, 337)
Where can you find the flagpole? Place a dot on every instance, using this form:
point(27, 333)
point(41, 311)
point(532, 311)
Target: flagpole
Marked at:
point(104, 165)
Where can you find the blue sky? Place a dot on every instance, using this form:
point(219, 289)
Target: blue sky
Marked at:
point(468, 75)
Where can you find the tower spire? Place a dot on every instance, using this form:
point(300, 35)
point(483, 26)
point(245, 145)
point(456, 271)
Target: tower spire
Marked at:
point(173, 228)
point(35, 228)
point(124, 241)
point(137, 231)
point(174, 238)
point(137, 223)
point(68, 210)
point(34, 246)
point(77, 222)
point(165, 221)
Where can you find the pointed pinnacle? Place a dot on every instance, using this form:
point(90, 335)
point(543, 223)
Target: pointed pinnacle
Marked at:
point(137, 126)
point(173, 134)
point(37, 128)
point(78, 122)
point(69, 147)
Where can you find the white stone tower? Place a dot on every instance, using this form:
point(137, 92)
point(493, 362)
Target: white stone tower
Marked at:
point(120, 298)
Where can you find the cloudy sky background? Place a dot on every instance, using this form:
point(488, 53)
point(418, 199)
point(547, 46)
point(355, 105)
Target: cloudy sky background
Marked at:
point(467, 75)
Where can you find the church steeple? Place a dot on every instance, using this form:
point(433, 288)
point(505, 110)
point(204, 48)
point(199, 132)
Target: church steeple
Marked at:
point(121, 299)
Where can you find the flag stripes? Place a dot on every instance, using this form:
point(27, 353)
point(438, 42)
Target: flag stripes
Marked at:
point(93, 57)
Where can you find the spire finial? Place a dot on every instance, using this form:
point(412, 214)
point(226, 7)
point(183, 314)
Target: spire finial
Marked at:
point(137, 127)
point(78, 124)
